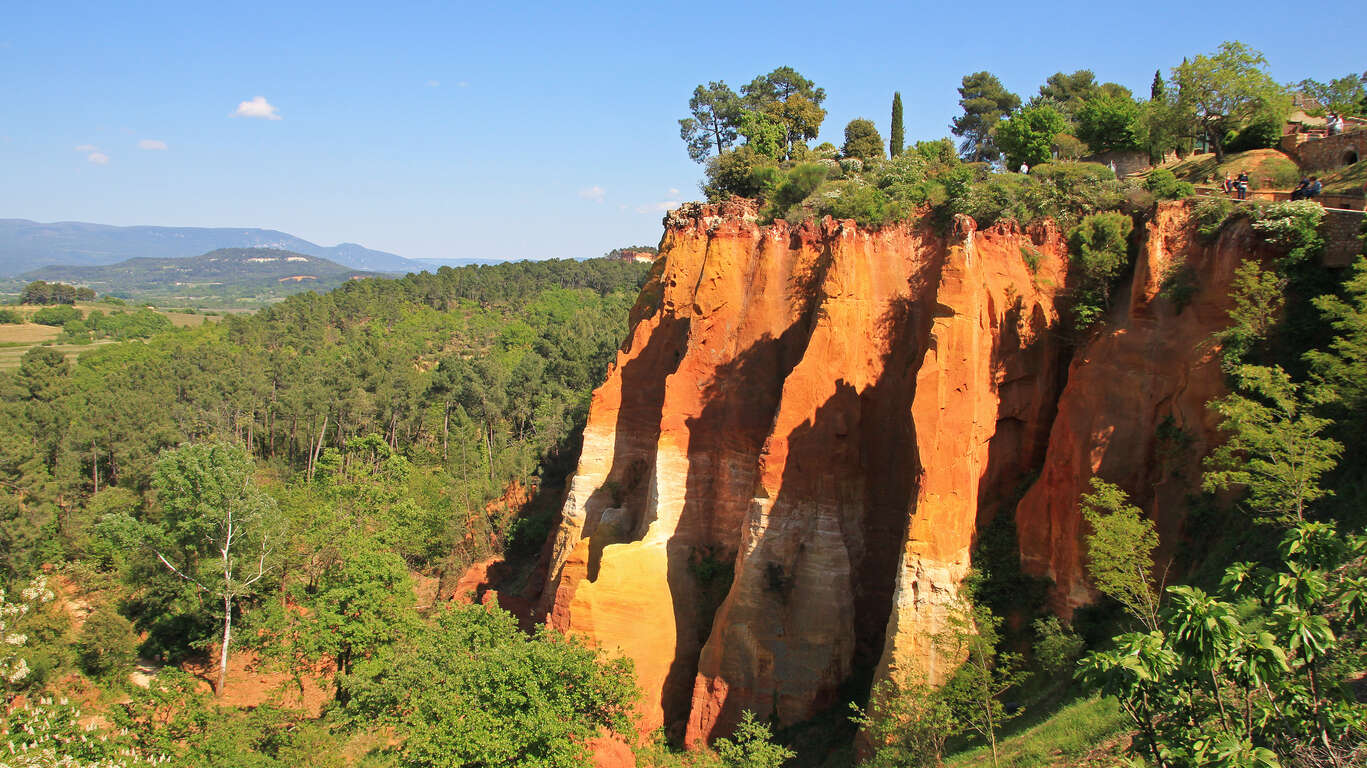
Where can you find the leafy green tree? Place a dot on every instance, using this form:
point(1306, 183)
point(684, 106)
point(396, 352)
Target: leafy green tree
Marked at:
point(107, 646)
point(1276, 448)
point(1028, 135)
point(1110, 123)
point(973, 633)
point(862, 140)
point(985, 102)
point(711, 130)
point(764, 134)
point(1098, 247)
point(791, 100)
point(1344, 366)
point(751, 745)
point(1120, 551)
point(14, 668)
point(907, 723)
point(897, 134)
point(359, 606)
point(471, 690)
point(1227, 89)
point(1258, 297)
point(217, 529)
point(1071, 91)
point(1345, 95)
point(1057, 646)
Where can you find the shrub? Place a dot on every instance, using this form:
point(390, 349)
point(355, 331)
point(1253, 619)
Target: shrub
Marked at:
point(825, 151)
point(938, 153)
point(1098, 249)
point(1165, 186)
point(1211, 213)
point(1292, 225)
point(1057, 646)
point(58, 315)
point(906, 179)
point(1069, 147)
point(1264, 131)
point(734, 173)
point(107, 645)
point(10, 317)
point(797, 185)
point(854, 199)
point(1179, 285)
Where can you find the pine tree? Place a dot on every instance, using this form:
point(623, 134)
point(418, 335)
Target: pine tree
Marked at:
point(897, 136)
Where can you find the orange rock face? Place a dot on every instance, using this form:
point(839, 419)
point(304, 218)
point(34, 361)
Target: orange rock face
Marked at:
point(1134, 410)
point(784, 473)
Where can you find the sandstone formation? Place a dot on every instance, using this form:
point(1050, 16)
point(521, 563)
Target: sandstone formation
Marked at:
point(1134, 410)
point(783, 475)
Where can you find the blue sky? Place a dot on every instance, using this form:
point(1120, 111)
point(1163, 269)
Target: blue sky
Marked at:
point(528, 130)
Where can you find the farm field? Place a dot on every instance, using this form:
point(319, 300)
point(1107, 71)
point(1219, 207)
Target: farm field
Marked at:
point(17, 339)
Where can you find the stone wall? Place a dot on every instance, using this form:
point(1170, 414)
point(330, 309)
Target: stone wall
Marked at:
point(1125, 162)
point(1329, 152)
point(1341, 242)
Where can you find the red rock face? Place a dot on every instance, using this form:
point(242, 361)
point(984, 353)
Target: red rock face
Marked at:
point(1134, 410)
point(784, 472)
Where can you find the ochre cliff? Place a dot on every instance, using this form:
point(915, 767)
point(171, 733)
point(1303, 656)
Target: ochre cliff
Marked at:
point(1134, 409)
point(783, 475)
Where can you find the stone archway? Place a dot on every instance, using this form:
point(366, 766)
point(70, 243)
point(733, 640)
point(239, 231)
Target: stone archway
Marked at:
point(1350, 157)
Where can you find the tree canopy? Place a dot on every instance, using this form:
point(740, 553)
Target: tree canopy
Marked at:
point(985, 102)
point(1227, 89)
point(711, 129)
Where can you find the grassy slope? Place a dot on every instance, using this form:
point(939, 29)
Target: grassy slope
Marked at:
point(1083, 732)
point(1348, 180)
point(1267, 168)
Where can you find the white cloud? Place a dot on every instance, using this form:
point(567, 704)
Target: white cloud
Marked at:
point(594, 193)
point(433, 83)
point(663, 205)
point(462, 84)
point(673, 192)
point(151, 144)
point(93, 154)
point(258, 108)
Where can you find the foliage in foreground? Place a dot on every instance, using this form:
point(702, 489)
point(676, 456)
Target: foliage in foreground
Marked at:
point(471, 689)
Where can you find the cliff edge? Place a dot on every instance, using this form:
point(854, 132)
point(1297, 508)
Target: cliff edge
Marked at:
point(784, 473)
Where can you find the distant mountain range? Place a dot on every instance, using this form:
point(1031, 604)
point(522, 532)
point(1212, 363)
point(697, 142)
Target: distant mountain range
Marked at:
point(26, 245)
point(224, 277)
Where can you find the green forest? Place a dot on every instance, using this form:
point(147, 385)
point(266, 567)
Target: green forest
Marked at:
point(273, 480)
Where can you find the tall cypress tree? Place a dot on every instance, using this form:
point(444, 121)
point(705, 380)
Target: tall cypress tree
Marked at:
point(1158, 90)
point(896, 136)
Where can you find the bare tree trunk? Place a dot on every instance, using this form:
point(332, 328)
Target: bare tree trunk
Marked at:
point(227, 635)
point(317, 448)
point(445, 431)
point(95, 466)
point(489, 450)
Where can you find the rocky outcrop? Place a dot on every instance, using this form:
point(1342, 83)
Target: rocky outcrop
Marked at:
point(1134, 410)
point(784, 473)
